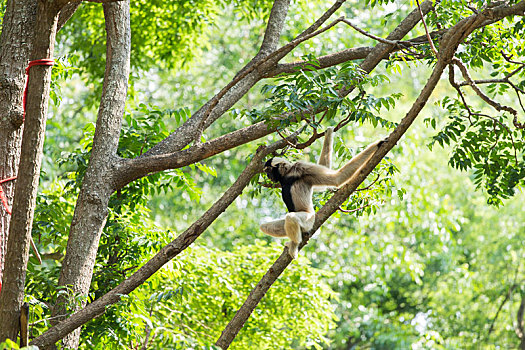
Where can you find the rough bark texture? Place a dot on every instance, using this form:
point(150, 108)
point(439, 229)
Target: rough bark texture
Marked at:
point(15, 46)
point(91, 209)
point(15, 267)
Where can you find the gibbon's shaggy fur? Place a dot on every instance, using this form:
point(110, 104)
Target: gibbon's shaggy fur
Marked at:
point(298, 181)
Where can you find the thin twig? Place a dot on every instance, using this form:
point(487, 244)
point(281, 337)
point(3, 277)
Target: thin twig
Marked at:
point(369, 186)
point(509, 59)
point(499, 107)
point(372, 36)
point(356, 209)
point(426, 30)
point(505, 79)
point(269, 185)
point(285, 138)
point(47, 319)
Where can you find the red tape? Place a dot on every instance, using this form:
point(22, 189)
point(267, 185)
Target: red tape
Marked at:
point(3, 198)
point(42, 62)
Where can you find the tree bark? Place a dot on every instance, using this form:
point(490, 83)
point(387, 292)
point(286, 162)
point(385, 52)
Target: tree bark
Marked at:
point(12, 293)
point(91, 210)
point(15, 46)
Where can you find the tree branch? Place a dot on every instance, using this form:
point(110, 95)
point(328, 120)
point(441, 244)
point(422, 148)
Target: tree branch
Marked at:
point(480, 93)
point(520, 329)
point(274, 27)
point(129, 170)
point(370, 35)
point(497, 106)
point(507, 297)
point(67, 12)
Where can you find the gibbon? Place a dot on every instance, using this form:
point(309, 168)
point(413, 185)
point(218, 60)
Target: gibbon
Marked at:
point(298, 181)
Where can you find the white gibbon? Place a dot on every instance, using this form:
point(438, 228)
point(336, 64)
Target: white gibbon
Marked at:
point(298, 181)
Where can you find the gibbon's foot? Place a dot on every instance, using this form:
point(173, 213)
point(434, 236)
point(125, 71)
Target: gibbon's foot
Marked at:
point(382, 141)
point(293, 249)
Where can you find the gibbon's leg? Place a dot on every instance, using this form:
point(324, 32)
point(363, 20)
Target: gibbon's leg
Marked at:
point(326, 154)
point(274, 228)
point(294, 224)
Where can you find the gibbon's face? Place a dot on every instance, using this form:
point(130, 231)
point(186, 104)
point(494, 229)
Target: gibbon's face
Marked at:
point(275, 168)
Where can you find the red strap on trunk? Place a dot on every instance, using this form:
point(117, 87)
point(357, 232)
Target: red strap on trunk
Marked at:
point(42, 62)
point(3, 198)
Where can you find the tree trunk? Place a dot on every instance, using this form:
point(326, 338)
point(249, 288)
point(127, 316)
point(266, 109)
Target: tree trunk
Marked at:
point(12, 293)
point(15, 45)
point(91, 209)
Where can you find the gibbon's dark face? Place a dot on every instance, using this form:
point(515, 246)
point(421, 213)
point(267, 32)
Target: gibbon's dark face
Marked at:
point(274, 167)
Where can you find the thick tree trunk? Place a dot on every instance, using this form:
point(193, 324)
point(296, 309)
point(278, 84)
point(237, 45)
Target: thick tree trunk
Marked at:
point(15, 46)
point(91, 209)
point(15, 267)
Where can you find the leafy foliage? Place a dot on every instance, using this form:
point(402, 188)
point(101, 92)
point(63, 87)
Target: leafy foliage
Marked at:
point(166, 33)
point(488, 145)
point(309, 91)
point(189, 302)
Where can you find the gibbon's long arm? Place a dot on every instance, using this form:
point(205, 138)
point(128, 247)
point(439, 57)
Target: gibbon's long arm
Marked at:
point(318, 175)
point(326, 154)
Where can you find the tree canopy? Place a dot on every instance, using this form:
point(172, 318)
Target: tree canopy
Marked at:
point(151, 190)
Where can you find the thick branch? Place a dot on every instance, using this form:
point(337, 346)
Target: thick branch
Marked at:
point(91, 207)
point(274, 27)
point(130, 170)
